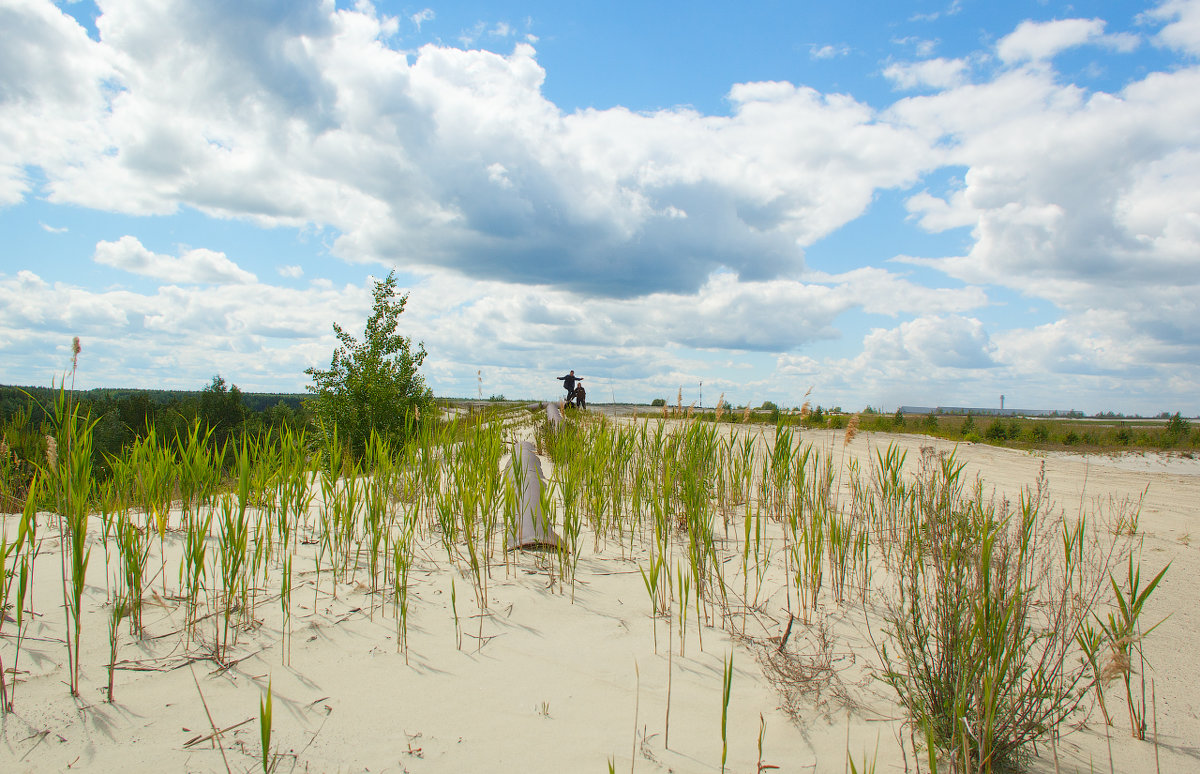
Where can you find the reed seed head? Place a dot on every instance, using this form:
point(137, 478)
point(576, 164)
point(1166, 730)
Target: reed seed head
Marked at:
point(52, 452)
point(75, 350)
point(720, 407)
point(746, 414)
point(1116, 664)
point(851, 430)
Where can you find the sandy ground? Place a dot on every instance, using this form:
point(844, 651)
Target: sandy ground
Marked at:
point(544, 683)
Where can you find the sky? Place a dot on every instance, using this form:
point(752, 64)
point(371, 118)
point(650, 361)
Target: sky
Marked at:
point(860, 204)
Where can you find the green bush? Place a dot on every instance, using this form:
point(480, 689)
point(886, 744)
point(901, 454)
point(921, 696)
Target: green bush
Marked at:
point(658, 402)
point(980, 646)
point(372, 385)
point(996, 431)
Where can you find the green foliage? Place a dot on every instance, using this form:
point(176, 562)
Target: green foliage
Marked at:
point(658, 402)
point(981, 645)
point(726, 691)
point(221, 409)
point(372, 385)
point(996, 431)
point(264, 728)
point(1124, 634)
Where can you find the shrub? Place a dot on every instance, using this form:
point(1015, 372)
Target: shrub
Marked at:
point(658, 402)
point(983, 629)
point(996, 431)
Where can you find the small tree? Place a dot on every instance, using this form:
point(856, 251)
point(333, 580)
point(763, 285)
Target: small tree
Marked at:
point(372, 385)
point(222, 409)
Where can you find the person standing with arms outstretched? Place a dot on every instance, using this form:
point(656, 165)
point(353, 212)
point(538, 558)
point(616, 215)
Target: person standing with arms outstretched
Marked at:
point(569, 382)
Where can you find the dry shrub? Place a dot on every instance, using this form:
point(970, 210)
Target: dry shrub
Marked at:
point(803, 666)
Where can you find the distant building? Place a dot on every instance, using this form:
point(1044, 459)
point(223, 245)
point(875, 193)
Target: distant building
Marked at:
point(987, 412)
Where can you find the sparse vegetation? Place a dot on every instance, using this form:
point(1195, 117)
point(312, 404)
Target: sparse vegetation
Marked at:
point(994, 633)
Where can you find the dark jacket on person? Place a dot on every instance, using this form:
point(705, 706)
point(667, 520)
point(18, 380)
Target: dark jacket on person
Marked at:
point(569, 381)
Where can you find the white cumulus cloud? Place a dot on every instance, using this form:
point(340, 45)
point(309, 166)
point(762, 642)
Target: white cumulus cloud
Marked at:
point(199, 266)
point(937, 73)
point(1038, 41)
point(1182, 29)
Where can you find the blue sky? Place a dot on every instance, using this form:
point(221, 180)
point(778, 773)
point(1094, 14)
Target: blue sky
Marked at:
point(889, 203)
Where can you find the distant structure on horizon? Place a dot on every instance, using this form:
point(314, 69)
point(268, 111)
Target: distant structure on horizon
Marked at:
point(993, 412)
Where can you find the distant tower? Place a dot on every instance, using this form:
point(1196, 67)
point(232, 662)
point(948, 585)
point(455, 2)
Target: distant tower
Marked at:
point(1001, 402)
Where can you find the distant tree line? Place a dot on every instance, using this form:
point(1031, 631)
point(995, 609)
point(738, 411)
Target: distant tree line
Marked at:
point(124, 415)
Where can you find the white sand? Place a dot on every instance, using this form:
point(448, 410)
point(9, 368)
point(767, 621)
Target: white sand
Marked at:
point(554, 685)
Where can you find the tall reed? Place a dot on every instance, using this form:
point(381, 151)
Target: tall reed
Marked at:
point(69, 471)
point(22, 552)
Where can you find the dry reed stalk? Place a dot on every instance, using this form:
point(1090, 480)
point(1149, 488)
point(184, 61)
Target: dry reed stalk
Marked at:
point(746, 414)
point(720, 407)
point(679, 403)
point(805, 409)
point(691, 409)
point(51, 453)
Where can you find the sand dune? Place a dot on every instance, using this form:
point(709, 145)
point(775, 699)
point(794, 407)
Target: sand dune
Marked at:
point(538, 682)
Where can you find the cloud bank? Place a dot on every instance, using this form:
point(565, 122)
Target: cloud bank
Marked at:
point(650, 241)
